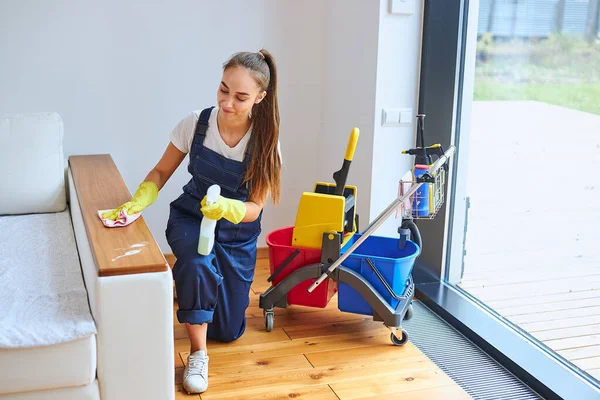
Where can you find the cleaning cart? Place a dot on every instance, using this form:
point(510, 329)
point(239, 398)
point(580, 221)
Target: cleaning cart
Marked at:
point(323, 253)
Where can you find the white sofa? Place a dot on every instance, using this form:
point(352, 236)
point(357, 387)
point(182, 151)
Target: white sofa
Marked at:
point(86, 312)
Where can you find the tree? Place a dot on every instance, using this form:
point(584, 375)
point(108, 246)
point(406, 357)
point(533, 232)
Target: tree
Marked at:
point(591, 26)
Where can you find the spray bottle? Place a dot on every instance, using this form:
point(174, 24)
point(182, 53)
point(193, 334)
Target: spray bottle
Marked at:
point(423, 199)
point(207, 226)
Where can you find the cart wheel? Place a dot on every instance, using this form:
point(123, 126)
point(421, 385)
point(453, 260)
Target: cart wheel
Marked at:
point(399, 342)
point(409, 312)
point(269, 320)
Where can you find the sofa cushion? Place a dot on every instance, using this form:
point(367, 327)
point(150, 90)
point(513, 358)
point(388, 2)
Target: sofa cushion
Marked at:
point(87, 392)
point(32, 164)
point(42, 294)
point(39, 368)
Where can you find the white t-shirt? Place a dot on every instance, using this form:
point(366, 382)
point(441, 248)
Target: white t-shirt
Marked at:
point(182, 137)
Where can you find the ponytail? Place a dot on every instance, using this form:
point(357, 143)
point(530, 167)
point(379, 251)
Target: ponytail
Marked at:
point(264, 170)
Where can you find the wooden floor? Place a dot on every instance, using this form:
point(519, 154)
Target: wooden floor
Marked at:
point(314, 354)
point(533, 237)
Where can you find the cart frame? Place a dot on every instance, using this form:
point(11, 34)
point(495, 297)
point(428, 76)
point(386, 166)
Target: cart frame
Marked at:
point(331, 267)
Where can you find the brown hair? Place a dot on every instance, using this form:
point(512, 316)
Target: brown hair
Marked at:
point(265, 166)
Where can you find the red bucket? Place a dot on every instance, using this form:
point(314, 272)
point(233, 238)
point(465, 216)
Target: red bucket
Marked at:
point(280, 248)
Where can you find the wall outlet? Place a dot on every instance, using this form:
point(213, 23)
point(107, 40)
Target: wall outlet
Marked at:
point(402, 7)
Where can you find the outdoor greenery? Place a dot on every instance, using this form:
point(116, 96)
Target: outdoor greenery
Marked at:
point(562, 70)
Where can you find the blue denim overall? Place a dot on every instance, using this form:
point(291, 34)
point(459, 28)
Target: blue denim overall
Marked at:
point(213, 288)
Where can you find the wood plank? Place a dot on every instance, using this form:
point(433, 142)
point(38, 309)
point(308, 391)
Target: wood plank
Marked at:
point(254, 311)
point(527, 239)
point(419, 373)
point(297, 319)
point(292, 347)
point(578, 353)
point(394, 381)
point(181, 394)
point(481, 266)
point(549, 307)
point(560, 323)
point(335, 328)
point(588, 363)
point(180, 332)
point(126, 250)
point(367, 355)
point(262, 253)
point(260, 286)
point(563, 333)
point(178, 360)
point(519, 301)
point(256, 365)
point(250, 338)
point(451, 392)
point(538, 275)
point(554, 315)
point(292, 391)
point(573, 342)
point(534, 289)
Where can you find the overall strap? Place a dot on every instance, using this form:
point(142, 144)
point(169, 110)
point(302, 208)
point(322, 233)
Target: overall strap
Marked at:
point(202, 124)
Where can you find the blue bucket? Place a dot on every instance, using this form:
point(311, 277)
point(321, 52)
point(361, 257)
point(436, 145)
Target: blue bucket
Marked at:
point(394, 264)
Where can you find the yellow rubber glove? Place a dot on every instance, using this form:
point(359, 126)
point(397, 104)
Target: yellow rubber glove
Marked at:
point(145, 195)
point(233, 211)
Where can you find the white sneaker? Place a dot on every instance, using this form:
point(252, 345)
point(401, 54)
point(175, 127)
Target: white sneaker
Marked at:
point(195, 374)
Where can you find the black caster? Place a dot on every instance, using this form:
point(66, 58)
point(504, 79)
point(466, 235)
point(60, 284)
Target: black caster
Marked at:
point(409, 312)
point(399, 342)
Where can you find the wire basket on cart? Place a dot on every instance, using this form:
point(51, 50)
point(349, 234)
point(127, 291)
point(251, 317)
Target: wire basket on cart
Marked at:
point(426, 201)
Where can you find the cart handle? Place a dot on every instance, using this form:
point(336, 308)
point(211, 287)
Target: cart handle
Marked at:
point(381, 219)
point(382, 279)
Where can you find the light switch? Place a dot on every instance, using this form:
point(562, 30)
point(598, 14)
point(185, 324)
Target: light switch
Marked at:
point(403, 7)
point(391, 117)
point(396, 116)
point(406, 116)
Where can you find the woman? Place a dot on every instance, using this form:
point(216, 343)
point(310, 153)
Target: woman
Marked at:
point(237, 147)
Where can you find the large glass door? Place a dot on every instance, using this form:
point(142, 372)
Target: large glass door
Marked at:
point(528, 244)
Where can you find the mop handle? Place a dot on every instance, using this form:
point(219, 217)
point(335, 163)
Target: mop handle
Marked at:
point(352, 144)
point(381, 219)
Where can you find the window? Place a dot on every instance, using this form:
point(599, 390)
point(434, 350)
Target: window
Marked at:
point(513, 258)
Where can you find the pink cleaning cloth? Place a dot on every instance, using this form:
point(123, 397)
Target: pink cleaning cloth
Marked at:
point(405, 183)
point(122, 220)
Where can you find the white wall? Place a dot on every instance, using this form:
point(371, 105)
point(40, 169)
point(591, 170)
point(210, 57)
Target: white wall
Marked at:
point(296, 38)
point(350, 69)
point(371, 62)
point(398, 63)
point(122, 74)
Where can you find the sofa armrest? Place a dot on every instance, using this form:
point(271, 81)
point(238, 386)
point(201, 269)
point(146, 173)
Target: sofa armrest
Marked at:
point(131, 295)
point(126, 250)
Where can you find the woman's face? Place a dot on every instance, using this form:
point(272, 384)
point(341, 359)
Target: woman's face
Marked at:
point(238, 92)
